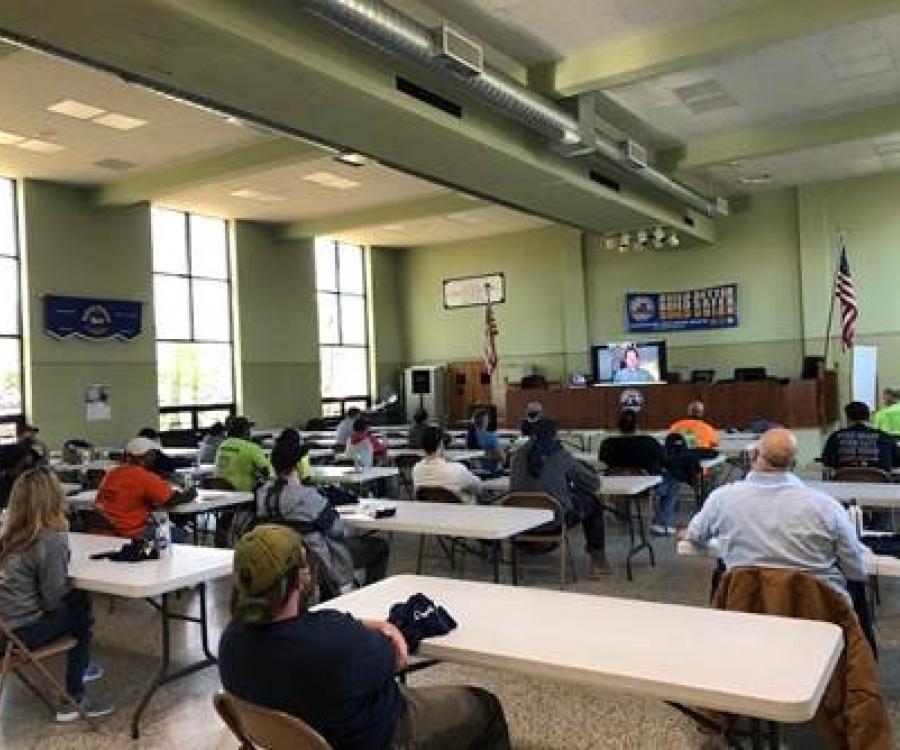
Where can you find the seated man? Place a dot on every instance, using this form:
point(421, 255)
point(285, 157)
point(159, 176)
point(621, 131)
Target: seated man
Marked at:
point(534, 410)
point(285, 500)
point(364, 447)
point(130, 493)
point(630, 451)
point(332, 671)
point(887, 418)
point(771, 519)
point(480, 437)
point(698, 433)
point(417, 431)
point(209, 445)
point(239, 460)
point(436, 471)
point(543, 465)
point(15, 460)
point(858, 444)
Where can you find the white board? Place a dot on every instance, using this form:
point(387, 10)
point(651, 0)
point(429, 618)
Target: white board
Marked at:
point(864, 376)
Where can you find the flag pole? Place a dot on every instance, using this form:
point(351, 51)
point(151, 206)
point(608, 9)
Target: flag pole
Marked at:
point(488, 321)
point(834, 275)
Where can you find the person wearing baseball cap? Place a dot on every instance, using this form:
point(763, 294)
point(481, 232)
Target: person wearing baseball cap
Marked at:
point(129, 493)
point(331, 670)
point(239, 460)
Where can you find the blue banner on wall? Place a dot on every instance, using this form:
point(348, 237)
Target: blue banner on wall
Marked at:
point(690, 310)
point(89, 318)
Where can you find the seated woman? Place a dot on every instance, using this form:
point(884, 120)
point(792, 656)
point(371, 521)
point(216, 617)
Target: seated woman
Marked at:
point(364, 447)
point(543, 465)
point(35, 599)
point(285, 500)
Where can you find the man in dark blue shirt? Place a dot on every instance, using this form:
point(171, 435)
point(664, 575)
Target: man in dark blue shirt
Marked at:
point(858, 444)
point(331, 670)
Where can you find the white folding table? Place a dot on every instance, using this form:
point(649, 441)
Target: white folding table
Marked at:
point(490, 523)
point(188, 566)
point(866, 494)
point(207, 501)
point(771, 668)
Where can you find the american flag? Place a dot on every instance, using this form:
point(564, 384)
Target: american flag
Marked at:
point(845, 291)
point(490, 338)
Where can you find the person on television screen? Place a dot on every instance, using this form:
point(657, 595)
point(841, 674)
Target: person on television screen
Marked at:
point(630, 370)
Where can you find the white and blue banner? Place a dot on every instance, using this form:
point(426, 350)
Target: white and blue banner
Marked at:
point(688, 310)
point(91, 318)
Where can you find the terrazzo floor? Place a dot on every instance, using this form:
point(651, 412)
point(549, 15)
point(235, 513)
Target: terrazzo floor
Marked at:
point(542, 715)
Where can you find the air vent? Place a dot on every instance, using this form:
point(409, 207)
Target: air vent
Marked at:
point(602, 179)
point(405, 86)
point(461, 54)
point(704, 96)
point(115, 165)
point(635, 153)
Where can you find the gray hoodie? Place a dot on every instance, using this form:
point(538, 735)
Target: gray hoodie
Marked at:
point(34, 581)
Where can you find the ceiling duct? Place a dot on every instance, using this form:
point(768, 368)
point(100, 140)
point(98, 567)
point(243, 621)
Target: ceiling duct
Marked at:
point(391, 31)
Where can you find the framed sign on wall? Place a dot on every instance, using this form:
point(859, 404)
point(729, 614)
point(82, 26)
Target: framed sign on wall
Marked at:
point(472, 291)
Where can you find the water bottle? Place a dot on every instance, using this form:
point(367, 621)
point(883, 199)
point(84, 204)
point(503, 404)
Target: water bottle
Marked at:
point(162, 534)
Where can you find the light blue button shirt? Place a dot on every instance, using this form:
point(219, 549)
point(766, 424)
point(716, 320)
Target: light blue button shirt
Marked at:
point(774, 520)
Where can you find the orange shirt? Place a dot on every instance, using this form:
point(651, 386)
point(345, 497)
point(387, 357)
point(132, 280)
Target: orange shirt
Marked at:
point(698, 433)
point(128, 494)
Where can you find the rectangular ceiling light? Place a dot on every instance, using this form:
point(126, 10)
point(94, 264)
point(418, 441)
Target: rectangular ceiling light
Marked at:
point(76, 109)
point(40, 147)
point(119, 122)
point(463, 217)
point(256, 195)
point(326, 179)
point(10, 139)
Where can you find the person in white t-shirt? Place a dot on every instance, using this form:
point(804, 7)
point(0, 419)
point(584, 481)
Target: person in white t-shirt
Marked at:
point(436, 471)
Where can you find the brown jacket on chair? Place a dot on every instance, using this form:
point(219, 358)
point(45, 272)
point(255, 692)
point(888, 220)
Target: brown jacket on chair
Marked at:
point(852, 713)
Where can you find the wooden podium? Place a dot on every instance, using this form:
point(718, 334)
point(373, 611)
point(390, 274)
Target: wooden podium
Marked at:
point(794, 403)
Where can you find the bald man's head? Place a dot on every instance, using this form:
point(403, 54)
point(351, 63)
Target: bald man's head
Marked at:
point(695, 409)
point(777, 451)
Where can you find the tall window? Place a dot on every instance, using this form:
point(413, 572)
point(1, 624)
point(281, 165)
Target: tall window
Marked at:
point(192, 299)
point(10, 314)
point(343, 330)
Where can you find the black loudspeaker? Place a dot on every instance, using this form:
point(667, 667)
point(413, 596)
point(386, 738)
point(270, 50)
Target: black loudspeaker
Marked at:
point(421, 382)
point(744, 374)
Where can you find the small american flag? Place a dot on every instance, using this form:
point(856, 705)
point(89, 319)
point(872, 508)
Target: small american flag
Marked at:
point(490, 338)
point(845, 291)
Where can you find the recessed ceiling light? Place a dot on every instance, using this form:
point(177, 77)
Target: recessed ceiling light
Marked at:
point(10, 139)
point(40, 147)
point(463, 217)
point(119, 122)
point(352, 159)
point(326, 179)
point(256, 195)
point(76, 109)
point(759, 179)
point(115, 165)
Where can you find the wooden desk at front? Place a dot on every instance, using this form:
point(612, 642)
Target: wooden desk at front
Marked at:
point(795, 403)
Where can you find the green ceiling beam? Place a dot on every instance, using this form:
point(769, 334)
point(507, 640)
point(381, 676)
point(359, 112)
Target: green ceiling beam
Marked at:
point(768, 141)
point(174, 178)
point(760, 24)
point(392, 213)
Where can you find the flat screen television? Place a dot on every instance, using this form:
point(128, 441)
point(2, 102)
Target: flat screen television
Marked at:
point(629, 362)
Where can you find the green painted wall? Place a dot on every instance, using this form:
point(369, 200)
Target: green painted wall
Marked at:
point(388, 316)
point(757, 249)
point(72, 247)
point(542, 321)
point(865, 212)
point(277, 341)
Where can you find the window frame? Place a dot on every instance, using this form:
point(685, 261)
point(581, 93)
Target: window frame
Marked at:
point(348, 400)
point(196, 410)
point(20, 317)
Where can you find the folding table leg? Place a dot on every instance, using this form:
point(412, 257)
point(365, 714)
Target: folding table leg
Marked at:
point(495, 552)
point(163, 675)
